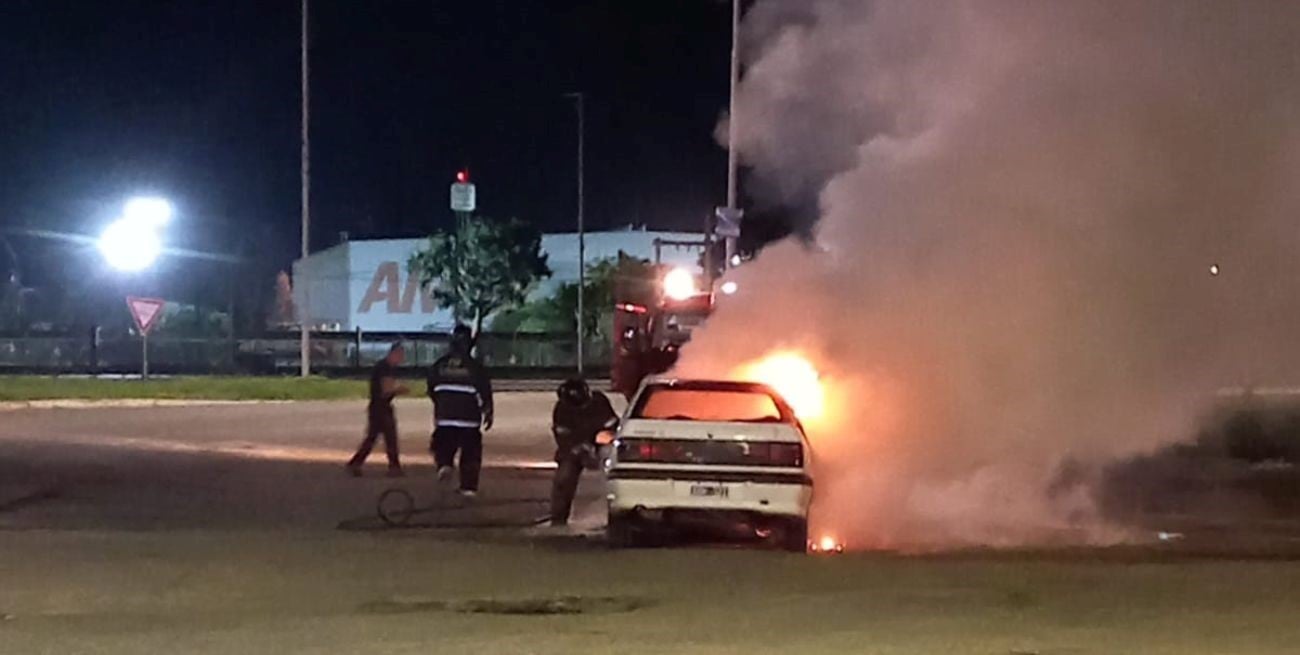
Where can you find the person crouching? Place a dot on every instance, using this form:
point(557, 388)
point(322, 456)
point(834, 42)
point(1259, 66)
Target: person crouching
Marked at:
point(579, 416)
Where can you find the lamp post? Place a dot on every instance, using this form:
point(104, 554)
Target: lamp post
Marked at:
point(579, 100)
point(304, 317)
point(732, 155)
point(732, 162)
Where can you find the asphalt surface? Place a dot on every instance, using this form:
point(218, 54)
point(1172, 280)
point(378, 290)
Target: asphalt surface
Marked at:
point(235, 529)
point(277, 465)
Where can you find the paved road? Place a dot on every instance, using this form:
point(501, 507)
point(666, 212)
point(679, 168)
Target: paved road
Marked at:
point(215, 530)
point(251, 465)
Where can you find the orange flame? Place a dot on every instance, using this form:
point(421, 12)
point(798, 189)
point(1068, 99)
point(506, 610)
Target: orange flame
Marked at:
point(794, 377)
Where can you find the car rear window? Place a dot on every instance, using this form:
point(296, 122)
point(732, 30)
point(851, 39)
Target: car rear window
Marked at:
point(717, 405)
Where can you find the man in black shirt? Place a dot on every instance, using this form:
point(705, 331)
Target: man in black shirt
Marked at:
point(578, 417)
point(462, 407)
point(380, 418)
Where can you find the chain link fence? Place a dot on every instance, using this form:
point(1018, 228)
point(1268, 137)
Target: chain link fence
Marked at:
point(278, 353)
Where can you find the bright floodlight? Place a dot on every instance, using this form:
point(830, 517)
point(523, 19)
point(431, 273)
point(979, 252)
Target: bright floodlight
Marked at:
point(132, 243)
point(729, 287)
point(154, 212)
point(679, 284)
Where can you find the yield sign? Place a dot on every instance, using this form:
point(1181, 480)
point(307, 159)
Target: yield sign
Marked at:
point(145, 311)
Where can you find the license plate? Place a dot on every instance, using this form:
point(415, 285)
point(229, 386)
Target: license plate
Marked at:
point(710, 490)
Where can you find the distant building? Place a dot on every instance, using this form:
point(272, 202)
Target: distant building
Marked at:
point(364, 284)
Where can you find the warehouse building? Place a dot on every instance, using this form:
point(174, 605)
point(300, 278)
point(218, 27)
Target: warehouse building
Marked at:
point(364, 284)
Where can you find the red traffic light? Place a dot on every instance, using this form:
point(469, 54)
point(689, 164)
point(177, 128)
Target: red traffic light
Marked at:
point(462, 176)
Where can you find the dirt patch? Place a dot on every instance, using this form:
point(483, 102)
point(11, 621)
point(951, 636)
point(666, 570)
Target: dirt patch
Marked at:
point(26, 498)
point(544, 606)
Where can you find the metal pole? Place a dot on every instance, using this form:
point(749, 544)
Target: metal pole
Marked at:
point(732, 156)
point(458, 255)
point(144, 356)
point(232, 348)
point(304, 312)
point(582, 232)
point(94, 349)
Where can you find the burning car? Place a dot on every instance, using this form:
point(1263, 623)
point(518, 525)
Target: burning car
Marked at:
point(712, 450)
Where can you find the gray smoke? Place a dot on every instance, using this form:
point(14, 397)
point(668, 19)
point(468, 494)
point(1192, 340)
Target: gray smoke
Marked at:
point(1021, 202)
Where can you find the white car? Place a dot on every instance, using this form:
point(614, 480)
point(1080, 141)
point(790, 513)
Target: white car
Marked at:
point(713, 450)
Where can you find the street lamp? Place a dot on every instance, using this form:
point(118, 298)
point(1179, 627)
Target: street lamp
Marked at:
point(132, 243)
point(733, 157)
point(304, 170)
point(579, 99)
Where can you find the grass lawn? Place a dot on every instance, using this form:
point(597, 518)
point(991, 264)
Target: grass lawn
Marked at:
point(25, 388)
point(211, 592)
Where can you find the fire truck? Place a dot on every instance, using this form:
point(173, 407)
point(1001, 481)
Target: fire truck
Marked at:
point(648, 336)
point(654, 317)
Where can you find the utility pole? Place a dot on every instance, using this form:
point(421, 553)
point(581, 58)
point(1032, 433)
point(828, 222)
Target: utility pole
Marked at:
point(304, 312)
point(732, 155)
point(579, 99)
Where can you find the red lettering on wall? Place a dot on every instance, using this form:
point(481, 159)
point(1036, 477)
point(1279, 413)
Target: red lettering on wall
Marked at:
point(385, 286)
point(382, 287)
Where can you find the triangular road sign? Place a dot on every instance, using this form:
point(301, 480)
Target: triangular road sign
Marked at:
point(145, 311)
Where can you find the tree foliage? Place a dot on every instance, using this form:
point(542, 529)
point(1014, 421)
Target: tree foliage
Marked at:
point(485, 266)
point(13, 304)
point(626, 278)
point(283, 313)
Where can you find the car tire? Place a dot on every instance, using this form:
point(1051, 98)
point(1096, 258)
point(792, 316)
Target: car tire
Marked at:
point(794, 537)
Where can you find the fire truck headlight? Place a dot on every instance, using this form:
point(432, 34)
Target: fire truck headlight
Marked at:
point(679, 284)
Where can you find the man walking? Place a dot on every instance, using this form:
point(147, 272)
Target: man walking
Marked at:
point(578, 417)
point(380, 418)
point(462, 407)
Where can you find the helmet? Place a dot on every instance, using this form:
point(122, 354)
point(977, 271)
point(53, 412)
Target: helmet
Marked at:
point(462, 339)
point(574, 390)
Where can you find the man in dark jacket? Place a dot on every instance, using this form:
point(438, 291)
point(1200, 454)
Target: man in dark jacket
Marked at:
point(380, 419)
point(578, 417)
point(462, 407)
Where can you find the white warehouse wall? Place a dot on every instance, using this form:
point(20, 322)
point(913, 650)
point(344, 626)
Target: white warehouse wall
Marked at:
point(365, 284)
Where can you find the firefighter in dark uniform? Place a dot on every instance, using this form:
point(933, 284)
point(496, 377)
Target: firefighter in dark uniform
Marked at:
point(380, 419)
point(462, 408)
point(578, 417)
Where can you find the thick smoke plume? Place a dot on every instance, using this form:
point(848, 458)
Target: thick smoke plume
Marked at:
point(1021, 203)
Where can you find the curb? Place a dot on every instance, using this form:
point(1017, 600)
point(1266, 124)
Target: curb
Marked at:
point(507, 386)
point(73, 403)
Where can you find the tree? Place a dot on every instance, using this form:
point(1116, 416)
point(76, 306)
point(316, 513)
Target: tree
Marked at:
point(625, 278)
point(543, 315)
point(483, 267)
point(12, 304)
point(283, 313)
point(13, 314)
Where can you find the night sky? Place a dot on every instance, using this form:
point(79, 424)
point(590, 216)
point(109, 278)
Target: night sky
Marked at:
point(199, 102)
